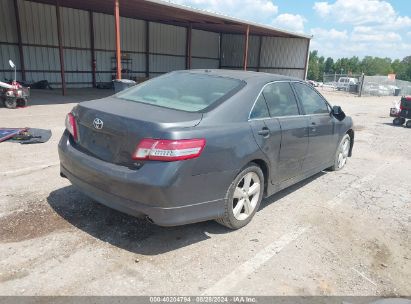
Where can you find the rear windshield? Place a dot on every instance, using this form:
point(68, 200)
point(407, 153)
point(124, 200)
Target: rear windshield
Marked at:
point(183, 91)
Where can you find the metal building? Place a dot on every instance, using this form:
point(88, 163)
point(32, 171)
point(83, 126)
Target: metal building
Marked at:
point(80, 43)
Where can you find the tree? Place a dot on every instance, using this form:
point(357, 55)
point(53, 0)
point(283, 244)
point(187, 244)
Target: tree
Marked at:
point(313, 68)
point(329, 65)
point(354, 65)
point(398, 67)
point(376, 66)
point(405, 69)
point(369, 65)
point(320, 68)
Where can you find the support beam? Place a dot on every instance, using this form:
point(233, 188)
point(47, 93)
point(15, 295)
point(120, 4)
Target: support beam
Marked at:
point(147, 49)
point(188, 46)
point(245, 58)
point(118, 47)
point(220, 50)
point(307, 60)
point(92, 48)
point(61, 50)
point(18, 28)
point(259, 54)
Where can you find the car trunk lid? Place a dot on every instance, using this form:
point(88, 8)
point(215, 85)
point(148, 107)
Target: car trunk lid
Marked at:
point(111, 128)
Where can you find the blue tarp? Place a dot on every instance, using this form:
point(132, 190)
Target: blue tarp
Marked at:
point(6, 133)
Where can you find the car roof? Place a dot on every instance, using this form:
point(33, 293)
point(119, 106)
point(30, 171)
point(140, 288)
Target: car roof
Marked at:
point(247, 76)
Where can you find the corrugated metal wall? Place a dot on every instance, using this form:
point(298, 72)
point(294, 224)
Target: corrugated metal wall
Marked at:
point(166, 49)
point(286, 56)
point(8, 35)
point(205, 50)
point(232, 51)
point(133, 44)
point(76, 43)
point(38, 24)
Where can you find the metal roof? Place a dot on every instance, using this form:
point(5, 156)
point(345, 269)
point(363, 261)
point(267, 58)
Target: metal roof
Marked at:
point(175, 14)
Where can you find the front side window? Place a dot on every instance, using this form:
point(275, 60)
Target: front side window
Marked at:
point(280, 99)
point(183, 91)
point(311, 101)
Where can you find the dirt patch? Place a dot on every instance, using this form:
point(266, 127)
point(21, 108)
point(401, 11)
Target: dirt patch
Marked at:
point(36, 220)
point(358, 127)
point(14, 275)
point(380, 253)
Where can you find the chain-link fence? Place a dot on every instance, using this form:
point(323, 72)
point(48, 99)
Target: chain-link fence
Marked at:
point(366, 85)
point(383, 86)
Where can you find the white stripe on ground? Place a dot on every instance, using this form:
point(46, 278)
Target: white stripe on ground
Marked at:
point(228, 283)
point(364, 276)
point(28, 169)
point(358, 184)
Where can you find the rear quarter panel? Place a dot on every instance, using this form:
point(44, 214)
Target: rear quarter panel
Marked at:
point(229, 147)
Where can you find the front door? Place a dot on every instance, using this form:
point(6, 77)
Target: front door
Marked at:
point(322, 136)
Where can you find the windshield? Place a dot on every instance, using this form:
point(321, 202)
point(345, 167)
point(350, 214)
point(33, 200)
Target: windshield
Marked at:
point(183, 91)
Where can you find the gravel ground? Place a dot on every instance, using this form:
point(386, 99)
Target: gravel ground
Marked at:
point(337, 233)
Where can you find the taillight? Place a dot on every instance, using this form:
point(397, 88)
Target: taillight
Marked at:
point(168, 150)
point(71, 125)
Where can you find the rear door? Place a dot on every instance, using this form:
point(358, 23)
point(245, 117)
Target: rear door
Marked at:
point(322, 137)
point(283, 108)
point(267, 132)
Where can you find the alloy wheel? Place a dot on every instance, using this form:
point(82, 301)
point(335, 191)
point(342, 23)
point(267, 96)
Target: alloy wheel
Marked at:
point(246, 195)
point(343, 152)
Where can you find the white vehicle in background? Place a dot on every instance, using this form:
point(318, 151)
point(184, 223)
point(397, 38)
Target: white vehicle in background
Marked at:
point(312, 83)
point(345, 82)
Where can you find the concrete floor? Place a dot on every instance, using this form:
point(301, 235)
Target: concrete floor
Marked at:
point(338, 233)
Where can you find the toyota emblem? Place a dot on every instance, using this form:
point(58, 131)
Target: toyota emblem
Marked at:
point(98, 123)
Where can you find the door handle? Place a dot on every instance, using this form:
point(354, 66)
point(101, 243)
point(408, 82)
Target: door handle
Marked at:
point(313, 129)
point(264, 132)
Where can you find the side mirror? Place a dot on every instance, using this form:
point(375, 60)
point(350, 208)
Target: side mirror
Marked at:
point(338, 113)
point(11, 63)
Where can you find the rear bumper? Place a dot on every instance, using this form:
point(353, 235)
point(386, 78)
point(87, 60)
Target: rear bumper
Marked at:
point(165, 192)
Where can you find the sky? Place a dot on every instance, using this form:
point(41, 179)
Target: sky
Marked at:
point(340, 28)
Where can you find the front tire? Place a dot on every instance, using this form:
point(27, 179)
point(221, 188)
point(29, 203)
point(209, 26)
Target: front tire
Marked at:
point(243, 197)
point(10, 103)
point(341, 155)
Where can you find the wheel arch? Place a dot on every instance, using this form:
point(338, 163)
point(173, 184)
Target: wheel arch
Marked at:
point(264, 167)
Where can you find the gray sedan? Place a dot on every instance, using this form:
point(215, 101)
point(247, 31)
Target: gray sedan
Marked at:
point(199, 145)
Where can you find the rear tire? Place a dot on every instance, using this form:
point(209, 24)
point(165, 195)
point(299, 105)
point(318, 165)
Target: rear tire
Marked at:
point(398, 121)
point(408, 124)
point(243, 197)
point(341, 155)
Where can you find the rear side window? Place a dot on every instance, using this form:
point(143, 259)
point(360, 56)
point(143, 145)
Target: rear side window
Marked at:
point(260, 109)
point(280, 99)
point(311, 101)
point(183, 91)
